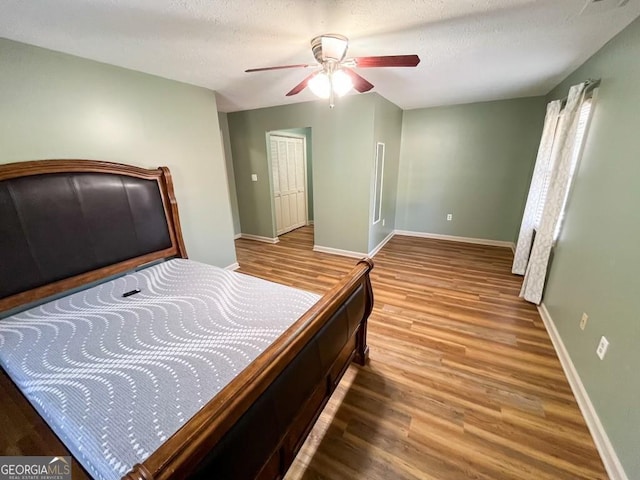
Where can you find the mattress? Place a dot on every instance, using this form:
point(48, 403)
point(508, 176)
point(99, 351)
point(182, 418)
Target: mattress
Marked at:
point(114, 376)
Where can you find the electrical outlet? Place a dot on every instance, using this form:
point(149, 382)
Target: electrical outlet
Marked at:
point(601, 351)
point(449, 217)
point(254, 177)
point(583, 321)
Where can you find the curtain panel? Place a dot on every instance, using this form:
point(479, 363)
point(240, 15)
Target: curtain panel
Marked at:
point(536, 270)
point(523, 247)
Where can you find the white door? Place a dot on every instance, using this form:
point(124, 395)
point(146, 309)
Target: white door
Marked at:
point(289, 182)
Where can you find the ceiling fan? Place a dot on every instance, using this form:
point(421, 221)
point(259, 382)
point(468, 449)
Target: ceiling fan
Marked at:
point(334, 74)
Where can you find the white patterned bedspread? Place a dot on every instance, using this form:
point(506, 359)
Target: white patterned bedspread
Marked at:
point(114, 377)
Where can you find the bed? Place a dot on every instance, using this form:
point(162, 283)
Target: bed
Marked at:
point(95, 284)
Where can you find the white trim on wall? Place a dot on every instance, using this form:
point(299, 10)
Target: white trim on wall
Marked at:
point(453, 238)
point(294, 136)
point(601, 439)
point(258, 238)
point(378, 167)
point(337, 251)
point(407, 233)
point(373, 252)
point(233, 266)
point(237, 236)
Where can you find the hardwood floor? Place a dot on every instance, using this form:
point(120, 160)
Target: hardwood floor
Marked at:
point(463, 382)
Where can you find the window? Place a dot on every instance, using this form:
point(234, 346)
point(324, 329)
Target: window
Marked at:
point(585, 112)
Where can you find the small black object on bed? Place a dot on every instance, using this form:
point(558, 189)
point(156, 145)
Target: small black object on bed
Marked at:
point(131, 292)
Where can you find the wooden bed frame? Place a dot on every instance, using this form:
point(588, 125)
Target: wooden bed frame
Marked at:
point(271, 406)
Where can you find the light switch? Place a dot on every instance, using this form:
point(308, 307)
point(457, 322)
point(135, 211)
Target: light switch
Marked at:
point(254, 177)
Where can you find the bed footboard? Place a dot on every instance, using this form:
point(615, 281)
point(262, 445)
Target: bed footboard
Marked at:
point(256, 425)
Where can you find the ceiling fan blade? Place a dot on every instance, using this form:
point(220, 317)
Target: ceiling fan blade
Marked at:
point(388, 61)
point(359, 83)
point(281, 67)
point(301, 86)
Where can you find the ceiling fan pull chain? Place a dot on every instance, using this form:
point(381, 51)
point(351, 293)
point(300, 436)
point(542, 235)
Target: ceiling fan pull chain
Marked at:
point(331, 95)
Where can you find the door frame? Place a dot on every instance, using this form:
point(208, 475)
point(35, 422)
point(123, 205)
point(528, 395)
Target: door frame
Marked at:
point(283, 133)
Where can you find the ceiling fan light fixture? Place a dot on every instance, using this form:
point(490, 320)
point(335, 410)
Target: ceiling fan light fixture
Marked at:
point(320, 85)
point(329, 47)
point(335, 77)
point(342, 82)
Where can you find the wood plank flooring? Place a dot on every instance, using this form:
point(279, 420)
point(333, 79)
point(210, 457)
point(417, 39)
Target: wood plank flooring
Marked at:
point(463, 382)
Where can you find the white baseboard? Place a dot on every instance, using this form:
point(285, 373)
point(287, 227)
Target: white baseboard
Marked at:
point(309, 222)
point(453, 238)
point(373, 252)
point(258, 238)
point(349, 253)
point(233, 266)
point(601, 439)
point(237, 236)
point(337, 251)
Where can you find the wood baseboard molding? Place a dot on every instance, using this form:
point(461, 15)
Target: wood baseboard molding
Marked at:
point(337, 251)
point(233, 266)
point(373, 252)
point(453, 238)
point(258, 238)
point(601, 439)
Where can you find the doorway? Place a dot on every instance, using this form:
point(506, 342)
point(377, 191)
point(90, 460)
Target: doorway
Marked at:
point(289, 173)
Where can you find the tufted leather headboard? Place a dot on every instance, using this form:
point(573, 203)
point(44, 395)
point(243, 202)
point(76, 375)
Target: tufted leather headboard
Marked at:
point(64, 223)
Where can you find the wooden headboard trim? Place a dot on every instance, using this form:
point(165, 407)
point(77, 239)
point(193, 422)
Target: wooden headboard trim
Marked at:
point(165, 184)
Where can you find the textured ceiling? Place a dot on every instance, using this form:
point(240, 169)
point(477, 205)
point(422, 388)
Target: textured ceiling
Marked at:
point(471, 50)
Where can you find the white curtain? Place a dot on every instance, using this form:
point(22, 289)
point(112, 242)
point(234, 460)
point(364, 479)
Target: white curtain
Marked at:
point(536, 271)
point(523, 248)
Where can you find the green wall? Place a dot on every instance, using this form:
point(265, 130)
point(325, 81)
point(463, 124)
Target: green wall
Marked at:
point(228, 157)
point(474, 161)
point(387, 129)
point(342, 149)
point(597, 257)
point(54, 105)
